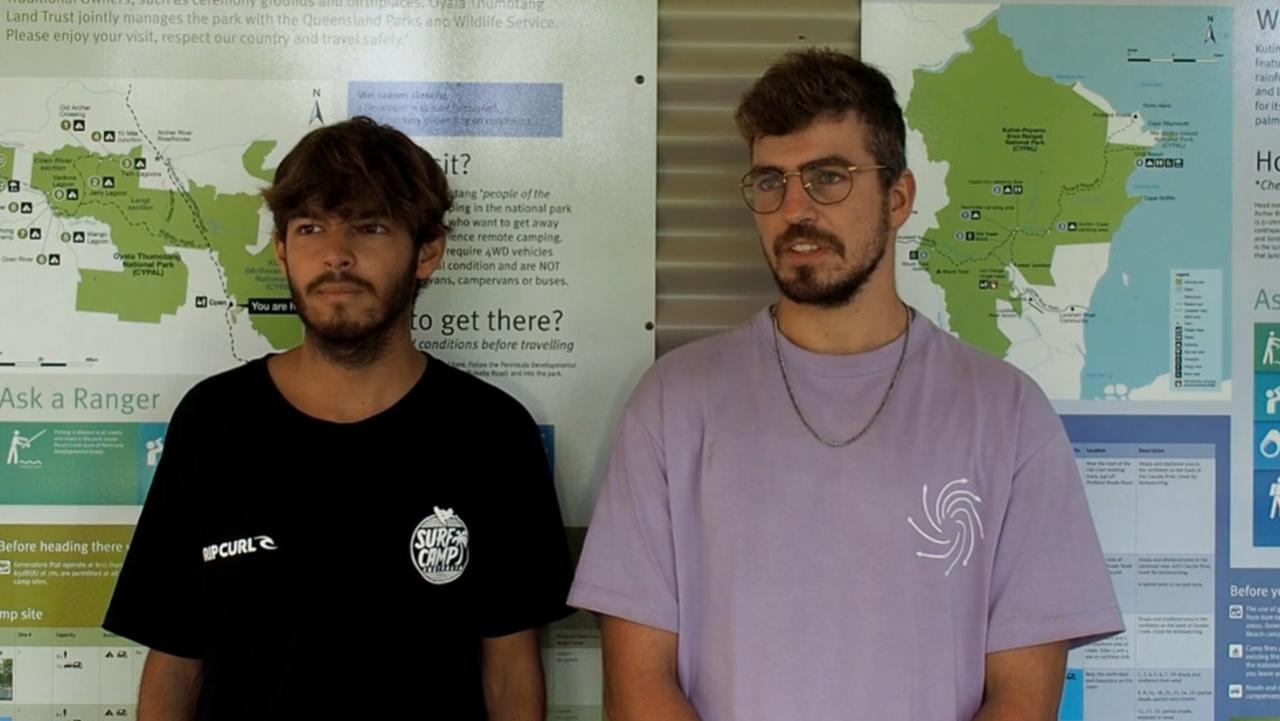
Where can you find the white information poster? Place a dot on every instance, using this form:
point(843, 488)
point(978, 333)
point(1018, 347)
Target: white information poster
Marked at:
point(136, 259)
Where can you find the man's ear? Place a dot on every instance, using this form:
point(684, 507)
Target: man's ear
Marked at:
point(902, 199)
point(281, 251)
point(430, 255)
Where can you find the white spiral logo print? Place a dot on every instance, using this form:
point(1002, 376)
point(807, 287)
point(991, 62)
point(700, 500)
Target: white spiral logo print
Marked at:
point(954, 524)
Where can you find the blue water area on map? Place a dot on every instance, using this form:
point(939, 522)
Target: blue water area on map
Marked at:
point(1128, 340)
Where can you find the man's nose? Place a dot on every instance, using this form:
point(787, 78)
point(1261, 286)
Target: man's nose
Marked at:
point(797, 207)
point(339, 250)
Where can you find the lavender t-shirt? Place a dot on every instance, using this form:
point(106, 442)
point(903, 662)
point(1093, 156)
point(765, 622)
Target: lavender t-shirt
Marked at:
point(864, 582)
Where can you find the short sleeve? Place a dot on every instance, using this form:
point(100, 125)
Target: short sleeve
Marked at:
point(628, 565)
point(528, 572)
point(1050, 581)
point(156, 601)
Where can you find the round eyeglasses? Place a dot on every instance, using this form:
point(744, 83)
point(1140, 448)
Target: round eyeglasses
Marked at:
point(763, 190)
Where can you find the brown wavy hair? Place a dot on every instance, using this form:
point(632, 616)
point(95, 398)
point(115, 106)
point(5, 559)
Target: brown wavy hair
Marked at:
point(361, 168)
point(813, 84)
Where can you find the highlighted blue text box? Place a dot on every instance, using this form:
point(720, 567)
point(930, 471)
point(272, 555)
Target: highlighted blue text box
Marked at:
point(481, 110)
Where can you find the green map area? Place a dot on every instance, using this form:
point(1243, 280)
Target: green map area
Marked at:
point(147, 224)
point(6, 163)
point(255, 158)
point(1030, 169)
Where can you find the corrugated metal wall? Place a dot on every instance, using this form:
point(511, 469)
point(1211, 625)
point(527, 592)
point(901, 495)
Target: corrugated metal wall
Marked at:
point(710, 272)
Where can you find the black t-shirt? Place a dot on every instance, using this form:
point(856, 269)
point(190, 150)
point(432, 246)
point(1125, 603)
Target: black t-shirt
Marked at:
point(325, 568)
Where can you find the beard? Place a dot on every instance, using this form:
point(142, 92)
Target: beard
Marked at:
point(355, 341)
point(806, 287)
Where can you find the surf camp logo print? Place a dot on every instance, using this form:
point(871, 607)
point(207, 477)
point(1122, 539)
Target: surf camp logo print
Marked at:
point(440, 547)
point(952, 524)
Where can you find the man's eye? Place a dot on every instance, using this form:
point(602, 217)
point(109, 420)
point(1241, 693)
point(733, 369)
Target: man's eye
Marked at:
point(829, 176)
point(306, 229)
point(768, 183)
point(373, 228)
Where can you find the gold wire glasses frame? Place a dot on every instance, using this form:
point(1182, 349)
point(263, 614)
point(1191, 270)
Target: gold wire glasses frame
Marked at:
point(763, 191)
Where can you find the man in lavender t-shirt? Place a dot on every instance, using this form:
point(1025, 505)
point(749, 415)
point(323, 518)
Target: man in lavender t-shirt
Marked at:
point(838, 511)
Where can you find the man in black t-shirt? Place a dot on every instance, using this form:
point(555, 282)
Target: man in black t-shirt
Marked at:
point(349, 527)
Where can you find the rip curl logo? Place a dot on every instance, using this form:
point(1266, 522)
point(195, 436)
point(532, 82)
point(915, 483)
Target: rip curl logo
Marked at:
point(953, 523)
point(238, 547)
point(439, 548)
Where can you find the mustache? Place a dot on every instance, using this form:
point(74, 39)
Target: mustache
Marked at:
point(794, 233)
point(333, 277)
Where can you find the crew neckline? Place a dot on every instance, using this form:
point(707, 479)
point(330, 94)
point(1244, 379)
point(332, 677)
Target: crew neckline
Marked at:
point(839, 364)
point(264, 374)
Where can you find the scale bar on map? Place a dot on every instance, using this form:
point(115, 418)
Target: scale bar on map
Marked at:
point(1172, 60)
point(42, 364)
